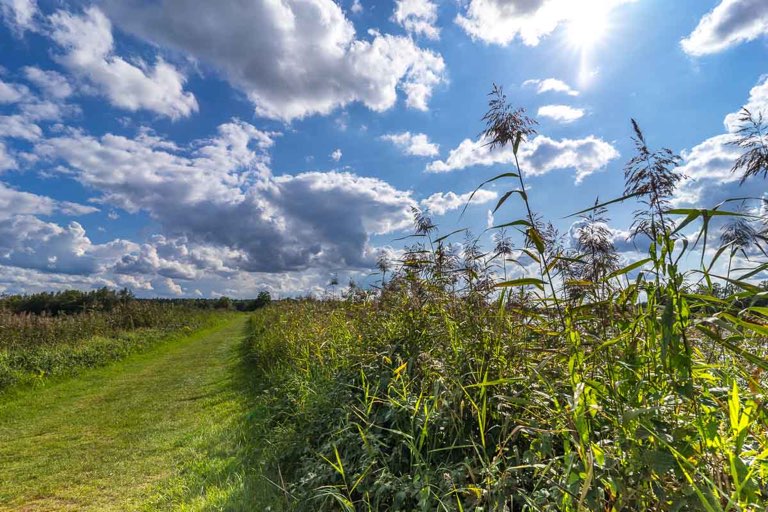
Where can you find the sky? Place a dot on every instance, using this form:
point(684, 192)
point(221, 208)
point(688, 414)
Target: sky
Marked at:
point(184, 148)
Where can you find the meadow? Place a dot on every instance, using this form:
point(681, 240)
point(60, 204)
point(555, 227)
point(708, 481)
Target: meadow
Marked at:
point(60, 334)
point(539, 374)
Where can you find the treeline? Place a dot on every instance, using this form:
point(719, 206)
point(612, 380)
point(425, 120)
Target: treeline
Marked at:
point(69, 302)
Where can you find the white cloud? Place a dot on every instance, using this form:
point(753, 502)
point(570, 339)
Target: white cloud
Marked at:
point(551, 85)
point(538, 156)
point(53, 84)
point(443, 202)
point(309, 58)
point(757, 104)
point(28, 242)
point(16, 202)
point(417, 17)
point(502, 21)
point(12, 93)
point(43, 110)
point(88, 52)
point(731, 23)
point(225, 197)
point(19, 127)
point(489, 219)
point(336, 155)
point(416, 144)
point(708, 165)
point(357, 7)
point(19, 14)
point(561, 113)
point(6, 160)
point(167, 285)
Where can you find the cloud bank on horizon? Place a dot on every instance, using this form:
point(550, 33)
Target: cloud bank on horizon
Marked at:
point(278, 142)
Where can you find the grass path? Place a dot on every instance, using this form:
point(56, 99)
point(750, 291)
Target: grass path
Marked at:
point(164, 430)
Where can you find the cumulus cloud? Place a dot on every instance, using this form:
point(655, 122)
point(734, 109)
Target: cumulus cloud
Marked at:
point(336, 155)
point(730, 23)
point(418, 17)
point(225, 196)
point(7, 161)
point(757, 104)
point(12, 93)
point(561, 113)
point(19, 14)
point(309, 58)
point(502, 21)
point(708, 164)
point(88, 52)
point(539, 156)
point(28, 242)
point(53, 84)
point(19, 127)
point(16, 202)
point(443, 202)
point(551, 85)
point(415, 144)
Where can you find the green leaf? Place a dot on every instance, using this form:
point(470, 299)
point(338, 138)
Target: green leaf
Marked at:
point(754, 271)
point(627, 269)
point(703, 211)
point(757, 361)
point(532, 255)
point(438, 240)
point(759, 329)
point(526, 281)
point(601, 205)
point(519, 222)
point(472, 195)
point(759, 310)
point(506, 196)
point(535, 237)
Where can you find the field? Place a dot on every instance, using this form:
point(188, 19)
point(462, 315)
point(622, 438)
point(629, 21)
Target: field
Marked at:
point(537, 375)
point(35, 346)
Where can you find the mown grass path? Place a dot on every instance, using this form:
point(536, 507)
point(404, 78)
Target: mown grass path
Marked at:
point(161, 430)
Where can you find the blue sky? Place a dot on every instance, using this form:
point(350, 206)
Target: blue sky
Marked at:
point(186, 148)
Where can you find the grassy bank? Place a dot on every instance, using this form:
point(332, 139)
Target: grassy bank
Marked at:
point(34, 348)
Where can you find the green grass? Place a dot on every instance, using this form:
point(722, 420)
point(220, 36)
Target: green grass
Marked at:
point(37, 348)
point(160, 430)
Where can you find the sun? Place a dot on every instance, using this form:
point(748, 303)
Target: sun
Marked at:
point(588, 25)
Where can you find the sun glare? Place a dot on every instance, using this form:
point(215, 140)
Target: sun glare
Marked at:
point(589, 25)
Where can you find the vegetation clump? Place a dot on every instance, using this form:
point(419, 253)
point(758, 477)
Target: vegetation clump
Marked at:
point(591, 383)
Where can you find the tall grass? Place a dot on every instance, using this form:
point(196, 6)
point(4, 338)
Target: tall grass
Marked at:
point(36, 347)
point(592, 383)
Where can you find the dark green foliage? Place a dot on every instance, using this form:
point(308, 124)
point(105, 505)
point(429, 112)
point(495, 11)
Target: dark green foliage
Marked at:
point(67, 302)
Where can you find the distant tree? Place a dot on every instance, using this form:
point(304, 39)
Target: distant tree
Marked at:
point(223, 303)
point(263, 299)
point(333, 283)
